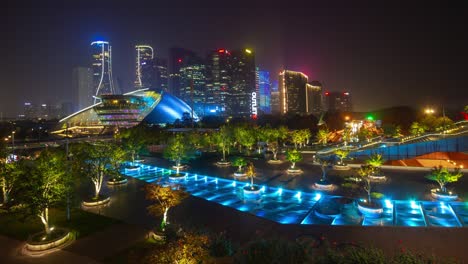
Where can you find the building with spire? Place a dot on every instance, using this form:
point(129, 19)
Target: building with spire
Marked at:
point(102, 69)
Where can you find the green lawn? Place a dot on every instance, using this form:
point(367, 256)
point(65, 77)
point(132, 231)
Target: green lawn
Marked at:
point(18, 226)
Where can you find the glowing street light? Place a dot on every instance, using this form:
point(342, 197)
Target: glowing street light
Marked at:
point(429, 111)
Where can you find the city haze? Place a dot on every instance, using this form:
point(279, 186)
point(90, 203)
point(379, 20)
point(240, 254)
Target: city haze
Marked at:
point(384, 56)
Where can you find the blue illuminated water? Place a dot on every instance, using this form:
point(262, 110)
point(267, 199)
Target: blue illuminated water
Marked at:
point(295, 207)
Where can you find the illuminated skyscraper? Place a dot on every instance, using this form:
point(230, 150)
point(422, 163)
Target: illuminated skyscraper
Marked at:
point(144, 66)
point(264, 91)
point(193, 85)
point(218, 86)
point(102, 68)
point(275, 98)
point(314, 101)
point(338, 101)
point(177, 58)
point(161, 77)
point(292, 89)
point(243, 95)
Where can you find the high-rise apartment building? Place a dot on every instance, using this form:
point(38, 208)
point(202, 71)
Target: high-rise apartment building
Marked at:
point(338, 101)
point(292, 89)
point(144, 70)
point(102, 68)
point(82, 85)
point(264, 86)
point(314, 100)
point(243, 93)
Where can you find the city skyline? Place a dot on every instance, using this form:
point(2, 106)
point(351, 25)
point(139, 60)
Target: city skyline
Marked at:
point(382, 61)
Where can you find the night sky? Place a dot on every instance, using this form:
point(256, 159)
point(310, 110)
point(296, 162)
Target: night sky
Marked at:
point(384, 56)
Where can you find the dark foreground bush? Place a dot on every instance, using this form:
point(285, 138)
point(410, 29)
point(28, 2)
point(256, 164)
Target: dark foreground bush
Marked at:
point(277, 251)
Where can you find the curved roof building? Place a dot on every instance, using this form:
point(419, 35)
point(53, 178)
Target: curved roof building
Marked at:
point(124, 110)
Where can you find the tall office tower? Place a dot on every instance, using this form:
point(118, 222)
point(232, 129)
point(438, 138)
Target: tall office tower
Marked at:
point(264, 91)
point(292, 88)
point(338, 101)
point(314, 103)
point(144, 66)
point(218, 86)
point(102, 68)
point(82, 84)
point(160, 71)
point(274, 100)
point(193, 85)
point(243, 97)
point(177, 58)
point(29, 111)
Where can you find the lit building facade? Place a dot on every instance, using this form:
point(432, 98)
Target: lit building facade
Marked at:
point(264, 86)
point(123, 111)
point(219, 78)
point(314, 100)
point(338, 101)
point(292, 90)
point(82, 84)
point(102, 68)
point(243, 97)
point(144, 66)
point(161, 76)
point(177, 58)
point(193, 85)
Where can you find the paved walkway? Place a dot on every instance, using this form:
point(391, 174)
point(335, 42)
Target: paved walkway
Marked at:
point(88, 250)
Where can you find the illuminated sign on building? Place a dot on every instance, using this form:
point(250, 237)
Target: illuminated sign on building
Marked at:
point(254, 104)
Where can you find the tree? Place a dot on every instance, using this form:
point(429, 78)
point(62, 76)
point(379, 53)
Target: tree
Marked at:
point(466, 109)
point(223, 139)
point(442, 123)
point(191, 248)
point(346, 137)
point(296, 138)
point(442, 176)
point(342, 154)
point(325, 165)
point(178, 150)
point(165, 198)
point(275, 135)
point(9, 173)
point(117, 157)
point(375, 160)
point(364, 172)
point(250, 172)
point(94, 161)
point(240, 162)
point(322, 136)
point(293, 156)
point(245, 137)
point(417, 129)
point(45, 186)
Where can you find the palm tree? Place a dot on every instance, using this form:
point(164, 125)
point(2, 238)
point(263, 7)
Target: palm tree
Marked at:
point(442, 176)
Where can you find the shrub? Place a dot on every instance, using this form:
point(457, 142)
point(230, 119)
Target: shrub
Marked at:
point(276, 251)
